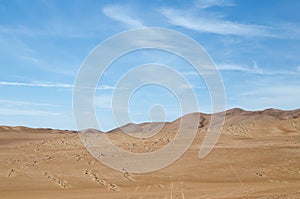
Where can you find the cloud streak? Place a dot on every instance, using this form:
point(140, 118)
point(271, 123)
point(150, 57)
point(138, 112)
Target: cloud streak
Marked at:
point(283, 96)
point(49, 85)
point(210, 23)
point(122, 14)
point(235, 67)
point(8, 111)
point(209, 3)
point(23, 103)
point(255, 69)
point(57, 29)
point(37, 84)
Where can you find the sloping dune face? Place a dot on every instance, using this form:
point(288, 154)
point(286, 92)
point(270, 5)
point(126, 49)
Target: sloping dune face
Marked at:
point(257, 156)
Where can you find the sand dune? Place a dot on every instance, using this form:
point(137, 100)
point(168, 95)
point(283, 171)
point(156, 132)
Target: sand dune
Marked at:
point(257, 156)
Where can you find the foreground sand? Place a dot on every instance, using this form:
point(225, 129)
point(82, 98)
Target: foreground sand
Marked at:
point(257, 156)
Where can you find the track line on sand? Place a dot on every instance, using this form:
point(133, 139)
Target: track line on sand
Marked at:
point(135, 190)
point(172, 185)
point(237, 175)
point(181, 186)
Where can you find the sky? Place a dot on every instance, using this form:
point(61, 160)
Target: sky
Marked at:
point(255, 46)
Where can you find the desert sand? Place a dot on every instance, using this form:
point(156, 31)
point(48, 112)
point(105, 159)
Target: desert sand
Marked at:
point(256, 156)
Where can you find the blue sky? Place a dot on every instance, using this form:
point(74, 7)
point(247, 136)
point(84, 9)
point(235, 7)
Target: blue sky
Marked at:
point(255, 45)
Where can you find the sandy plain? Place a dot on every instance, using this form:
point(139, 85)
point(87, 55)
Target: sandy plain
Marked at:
point(256, 156)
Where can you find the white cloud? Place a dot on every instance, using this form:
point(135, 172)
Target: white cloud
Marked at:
point(255, 69)
point(15, 103)
point(52, 29)
point(106, 87)
point(51, 85)
point(212, 23)
point(8, 111)
point(30, 58)
point(190, 73)
point(264, 96)
point(209, 3)
point(24, 108)
point(122, 14)
point(235, 67)
point(37, 84)
point(298, 68)
point(274, 90)
point(105, 102)
point(288, 30)
point(19, 30)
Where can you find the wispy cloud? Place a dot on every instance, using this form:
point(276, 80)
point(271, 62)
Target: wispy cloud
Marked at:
point(29, 58)
point(37, 84)
point(9, 111)
point(25, 108)
point(212, 23)
point(255, 69)
point(288, 30)
point(235, 67)
point(274, 90)
point(15, 103)
point(19, 30)
point(51, 85)
point(209, 3)
point(283, 96)
point(122, 14)
point(58, 29)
